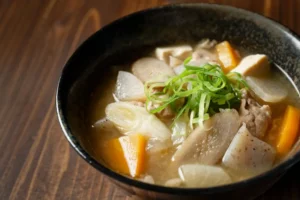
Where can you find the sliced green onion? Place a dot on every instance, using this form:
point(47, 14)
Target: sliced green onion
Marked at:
point(202, 89)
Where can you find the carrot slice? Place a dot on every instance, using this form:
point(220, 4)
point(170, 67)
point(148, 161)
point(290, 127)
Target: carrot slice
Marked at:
point(125, 154)
point(134, 152)
point(112, 154)
point(228, 56)
point(288, 130)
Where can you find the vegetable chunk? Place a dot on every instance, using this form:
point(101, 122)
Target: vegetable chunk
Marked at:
point(129, 87)
point(125, 154)
point(152, 69)
point(204, 90)
point(228, 56)
point(196, 175)
point(129, 119)
point(269, 89)
point(288, 130)
point(208, 144)
point(253, 65)
point(248, 154)
point(180, 52)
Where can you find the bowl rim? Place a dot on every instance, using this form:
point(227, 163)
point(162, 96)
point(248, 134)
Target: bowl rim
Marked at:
point(282, 167)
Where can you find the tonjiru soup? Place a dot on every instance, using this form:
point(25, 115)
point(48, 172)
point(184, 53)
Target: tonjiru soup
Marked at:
point(194, 116)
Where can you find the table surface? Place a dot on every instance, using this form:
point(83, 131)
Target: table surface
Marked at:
point(36, 39)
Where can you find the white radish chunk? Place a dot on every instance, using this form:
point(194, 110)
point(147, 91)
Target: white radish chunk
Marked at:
point(208, 144)
point(196, 175)
point(253, 65)
point(130, 119)
point(248, 154)
point(152, 69)
point(181, 52)
point(269, 89)
point(129, 87)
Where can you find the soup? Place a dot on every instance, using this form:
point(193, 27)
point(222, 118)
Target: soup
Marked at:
point(194, 116)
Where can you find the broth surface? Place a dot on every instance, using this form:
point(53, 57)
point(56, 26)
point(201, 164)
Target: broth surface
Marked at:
point(158, 164)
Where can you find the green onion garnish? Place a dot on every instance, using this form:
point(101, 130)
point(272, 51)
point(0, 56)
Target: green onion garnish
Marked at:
point(198, 92)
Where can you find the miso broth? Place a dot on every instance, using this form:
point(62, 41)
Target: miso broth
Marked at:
point(208, 143)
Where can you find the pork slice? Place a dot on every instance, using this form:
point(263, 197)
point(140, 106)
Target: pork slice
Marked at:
point(257, 118)
point(206, 44)
point(199, 58)
point(203, 56)
point(207, 144)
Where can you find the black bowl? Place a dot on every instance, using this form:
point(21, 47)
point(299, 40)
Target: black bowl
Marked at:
point(136, 35)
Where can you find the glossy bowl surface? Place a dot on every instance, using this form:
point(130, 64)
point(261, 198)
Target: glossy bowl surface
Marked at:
point(136, 35)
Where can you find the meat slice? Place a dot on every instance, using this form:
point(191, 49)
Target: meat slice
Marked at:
point(206, 44)
point(199, 58)
point(248, 154)
point(208, 144)
point(257, 118)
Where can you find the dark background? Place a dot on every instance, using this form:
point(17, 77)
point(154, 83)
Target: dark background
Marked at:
point(36, 38)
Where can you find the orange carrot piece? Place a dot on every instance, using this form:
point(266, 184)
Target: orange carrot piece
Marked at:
point(228, 56)
point(111, 152)
point(134, 151)
point(288, 130)
point(125, 154)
